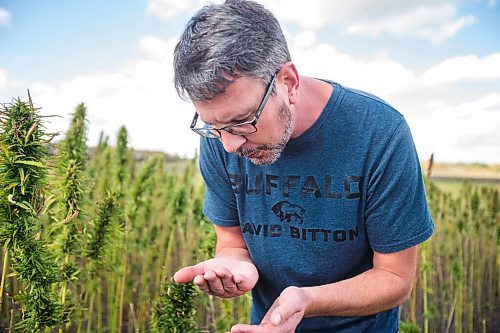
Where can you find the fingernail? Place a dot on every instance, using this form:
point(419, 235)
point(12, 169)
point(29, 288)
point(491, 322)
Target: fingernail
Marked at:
point(276, 319)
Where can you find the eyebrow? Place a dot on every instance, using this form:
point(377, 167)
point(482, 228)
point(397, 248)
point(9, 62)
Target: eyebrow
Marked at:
point(240, 116)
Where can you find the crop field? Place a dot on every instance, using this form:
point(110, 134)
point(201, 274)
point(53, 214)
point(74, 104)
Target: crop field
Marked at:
point(92, 237)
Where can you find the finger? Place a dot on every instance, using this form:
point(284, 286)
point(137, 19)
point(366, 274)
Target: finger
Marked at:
point(227, 281)
point(201, 283)
point(283, 313)
point(290, 303)
point(214, 283)
point(187, 274)
point(244, 328)
point(243, 283)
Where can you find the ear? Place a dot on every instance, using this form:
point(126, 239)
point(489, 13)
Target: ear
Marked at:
point(289, 76)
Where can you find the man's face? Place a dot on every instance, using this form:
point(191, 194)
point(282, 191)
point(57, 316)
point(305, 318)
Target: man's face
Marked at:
point(239, 103)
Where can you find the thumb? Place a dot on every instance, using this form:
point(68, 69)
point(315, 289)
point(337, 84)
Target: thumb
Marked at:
point(244, 283)
point(282, 313)
point(187, 274)
point(276, 318)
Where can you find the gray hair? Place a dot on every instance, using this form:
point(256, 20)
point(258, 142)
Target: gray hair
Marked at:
point(226, 41)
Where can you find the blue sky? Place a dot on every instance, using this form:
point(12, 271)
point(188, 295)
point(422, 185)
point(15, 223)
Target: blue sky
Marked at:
point(437, 62)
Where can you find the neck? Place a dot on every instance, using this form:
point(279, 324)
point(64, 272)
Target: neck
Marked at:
point(313, 96)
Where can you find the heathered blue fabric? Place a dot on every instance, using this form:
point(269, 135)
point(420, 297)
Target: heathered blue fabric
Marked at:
point(348, 186)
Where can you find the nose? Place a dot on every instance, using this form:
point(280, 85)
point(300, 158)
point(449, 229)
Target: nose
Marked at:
point(232, 142)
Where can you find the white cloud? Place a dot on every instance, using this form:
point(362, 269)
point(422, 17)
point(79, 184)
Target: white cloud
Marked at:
point(435, 23)
point(428, 19)
point(376, 74)
point(154, 47)
point(167, 9)
point(465, 132)
point(450, 29)
point(139, 95)
point(456, 131)
point(5, 16)
point(311, 14)
point(463, 68)
point(305, 39)
point(3, 79)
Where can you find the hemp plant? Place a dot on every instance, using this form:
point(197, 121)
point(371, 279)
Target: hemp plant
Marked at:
point(122, 157)
point(102, 232)
point(71, 164)
point(174, 311)
point(23, 152)
point(69, 170)
point(140, 193)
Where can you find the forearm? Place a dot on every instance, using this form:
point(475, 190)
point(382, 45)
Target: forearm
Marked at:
point(373, 291)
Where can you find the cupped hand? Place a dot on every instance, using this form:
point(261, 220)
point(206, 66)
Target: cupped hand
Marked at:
point(222, 277)
point(284, 315)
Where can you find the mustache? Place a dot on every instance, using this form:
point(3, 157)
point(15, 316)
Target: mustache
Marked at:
point(244, 152)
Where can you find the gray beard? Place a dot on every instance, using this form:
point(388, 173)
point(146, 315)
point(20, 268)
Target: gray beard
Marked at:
point(274, 151)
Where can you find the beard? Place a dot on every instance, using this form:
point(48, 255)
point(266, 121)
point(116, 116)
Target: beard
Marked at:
point(272, 152)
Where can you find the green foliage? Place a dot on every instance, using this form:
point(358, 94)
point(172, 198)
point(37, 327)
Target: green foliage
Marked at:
point(41, 310)
point(405, 327)
point(74, 145)
point(142, 187)
point(103, 232)
point(109, 254)
point(122, 158)
point(70, 166)
point(206, 248)
point(22, 198)
point(175, 311)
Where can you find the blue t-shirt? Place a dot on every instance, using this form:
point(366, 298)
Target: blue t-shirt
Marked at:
point(350, 185)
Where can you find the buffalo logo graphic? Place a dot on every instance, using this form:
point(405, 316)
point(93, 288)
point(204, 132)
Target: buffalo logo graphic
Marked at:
point(286, 211)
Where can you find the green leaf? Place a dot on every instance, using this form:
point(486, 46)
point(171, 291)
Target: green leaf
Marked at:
point(11, 185)
point(33, 163)
point(25, 205)
point(21, 175)
point(5, 150)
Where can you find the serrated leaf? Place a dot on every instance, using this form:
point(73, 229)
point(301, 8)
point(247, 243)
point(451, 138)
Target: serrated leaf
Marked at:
point(32, 163)
point(25, 205)
point(21, 175)
point(5, 149)
point(30, 131)
point(11, 185)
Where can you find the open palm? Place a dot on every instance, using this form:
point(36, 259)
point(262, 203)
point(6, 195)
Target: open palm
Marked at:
point(222, 277)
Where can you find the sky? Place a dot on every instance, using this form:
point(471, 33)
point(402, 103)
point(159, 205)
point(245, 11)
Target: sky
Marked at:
point(437, 62)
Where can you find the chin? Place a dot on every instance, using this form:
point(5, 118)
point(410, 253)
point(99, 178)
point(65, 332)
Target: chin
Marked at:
point(268, 159)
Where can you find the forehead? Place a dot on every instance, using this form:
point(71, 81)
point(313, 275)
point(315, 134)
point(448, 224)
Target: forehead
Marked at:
point(240, 99)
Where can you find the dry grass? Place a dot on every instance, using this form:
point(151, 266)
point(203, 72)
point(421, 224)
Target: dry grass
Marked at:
point(465, 171)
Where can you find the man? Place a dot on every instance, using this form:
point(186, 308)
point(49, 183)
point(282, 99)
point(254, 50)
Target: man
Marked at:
point(314, 189)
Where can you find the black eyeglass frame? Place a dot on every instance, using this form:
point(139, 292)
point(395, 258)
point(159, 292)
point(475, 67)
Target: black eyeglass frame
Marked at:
point(209, 132)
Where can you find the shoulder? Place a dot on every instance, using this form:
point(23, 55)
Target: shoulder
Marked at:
point(373, 106)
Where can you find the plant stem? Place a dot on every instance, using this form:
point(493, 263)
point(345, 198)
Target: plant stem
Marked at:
point(424, 289)
point(91, 306)
point(4, 274)
point(124, 276)
point(99, 305)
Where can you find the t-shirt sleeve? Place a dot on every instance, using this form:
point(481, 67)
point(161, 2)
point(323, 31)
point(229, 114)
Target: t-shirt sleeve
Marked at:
point(220, 202)
point(397, 215)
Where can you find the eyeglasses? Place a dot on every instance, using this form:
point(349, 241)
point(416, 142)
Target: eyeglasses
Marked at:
point(243, 128)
